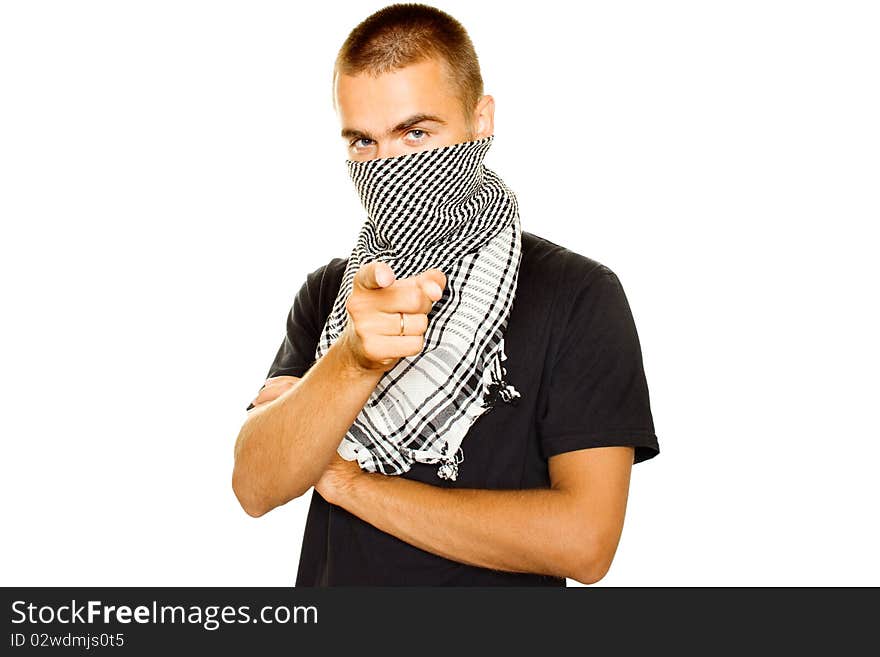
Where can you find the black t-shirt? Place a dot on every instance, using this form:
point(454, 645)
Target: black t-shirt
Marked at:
point(574, 356)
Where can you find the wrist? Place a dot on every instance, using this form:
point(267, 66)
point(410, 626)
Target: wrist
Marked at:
point(353, 364)
point(348, 491)
point(340, 487)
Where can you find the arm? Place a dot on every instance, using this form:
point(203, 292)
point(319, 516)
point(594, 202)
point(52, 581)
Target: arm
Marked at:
point(569, 530)
point(267, 472)
point(296, 425)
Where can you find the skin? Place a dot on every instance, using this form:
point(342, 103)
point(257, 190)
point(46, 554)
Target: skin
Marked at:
point(571, 529)
point(377, 113)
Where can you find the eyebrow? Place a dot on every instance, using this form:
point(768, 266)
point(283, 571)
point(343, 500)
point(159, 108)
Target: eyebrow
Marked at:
point(350, 133)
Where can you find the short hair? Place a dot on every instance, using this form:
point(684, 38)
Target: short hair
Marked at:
point(407, 33)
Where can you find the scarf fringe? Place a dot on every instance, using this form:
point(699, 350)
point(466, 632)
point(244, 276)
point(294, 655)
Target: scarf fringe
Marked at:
point(496, 389)
point(449, 468)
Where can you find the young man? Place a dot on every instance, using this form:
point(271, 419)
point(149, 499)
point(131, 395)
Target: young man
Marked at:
point(536, 489)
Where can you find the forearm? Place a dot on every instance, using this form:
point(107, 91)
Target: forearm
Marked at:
point(285, 445)
point(533, 530)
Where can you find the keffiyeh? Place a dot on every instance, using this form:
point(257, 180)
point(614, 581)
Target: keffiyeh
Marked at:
point(435, 208)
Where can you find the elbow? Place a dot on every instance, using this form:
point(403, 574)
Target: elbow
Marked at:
point(252, 505)
point(241, 485)
point(592, 562)
point(253, 510)
point(252, 496)
point(590, 571)
point(258, 486)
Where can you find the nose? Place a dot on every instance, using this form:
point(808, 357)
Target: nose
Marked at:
point(385, 149)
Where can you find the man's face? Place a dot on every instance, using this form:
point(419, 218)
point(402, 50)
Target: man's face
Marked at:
point(414, 108)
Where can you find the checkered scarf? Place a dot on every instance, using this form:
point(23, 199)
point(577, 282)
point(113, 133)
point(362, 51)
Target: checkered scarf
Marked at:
point(435, 208)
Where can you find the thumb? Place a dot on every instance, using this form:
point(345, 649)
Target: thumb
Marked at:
point(432, 281)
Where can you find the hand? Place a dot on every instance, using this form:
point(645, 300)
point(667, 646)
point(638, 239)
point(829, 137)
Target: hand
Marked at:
point(372, 334)
point(337, 479)
point(274, 388)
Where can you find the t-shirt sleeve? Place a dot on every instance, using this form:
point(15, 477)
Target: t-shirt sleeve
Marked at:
point(598, 393)
point(296, 354)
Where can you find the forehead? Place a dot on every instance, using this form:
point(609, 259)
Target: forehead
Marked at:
point(376, 103)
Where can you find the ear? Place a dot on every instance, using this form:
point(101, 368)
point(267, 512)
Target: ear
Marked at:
point(484, 117)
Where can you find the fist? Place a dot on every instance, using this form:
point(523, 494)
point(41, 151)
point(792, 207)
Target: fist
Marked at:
point(372, 334)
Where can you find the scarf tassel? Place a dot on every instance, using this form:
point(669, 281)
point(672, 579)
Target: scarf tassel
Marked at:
point(497, 389)
point(449, 468)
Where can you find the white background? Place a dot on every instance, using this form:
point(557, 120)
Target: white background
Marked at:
point(170, 171)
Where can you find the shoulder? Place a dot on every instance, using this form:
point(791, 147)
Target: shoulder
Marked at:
point(318, 292)
point(564, 270)
point(328, 274)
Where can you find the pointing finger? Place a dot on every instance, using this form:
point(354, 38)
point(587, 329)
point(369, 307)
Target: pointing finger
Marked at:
point(374, 275)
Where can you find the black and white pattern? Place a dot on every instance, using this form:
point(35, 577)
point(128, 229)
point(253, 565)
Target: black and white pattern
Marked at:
point(435, 208)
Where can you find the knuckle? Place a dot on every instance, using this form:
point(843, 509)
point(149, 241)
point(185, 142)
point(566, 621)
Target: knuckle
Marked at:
point(360, 330)
point(415, 297)
point(416, 342)
point(367, 325)
point(354, 304)
point(422, 323)
point(373, 348)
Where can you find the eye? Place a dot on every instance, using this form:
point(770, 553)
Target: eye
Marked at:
point(418, 136)
point(355, 142)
